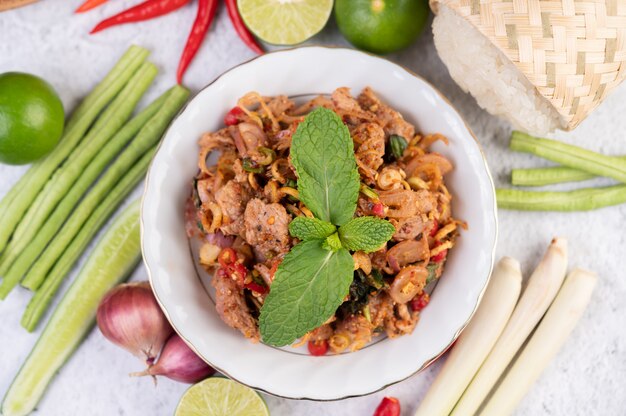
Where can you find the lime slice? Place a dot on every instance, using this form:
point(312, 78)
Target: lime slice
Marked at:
point(285, 22)
point(218, 396)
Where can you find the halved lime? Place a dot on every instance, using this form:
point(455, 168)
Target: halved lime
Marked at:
point(218, 396)
point(285, 22)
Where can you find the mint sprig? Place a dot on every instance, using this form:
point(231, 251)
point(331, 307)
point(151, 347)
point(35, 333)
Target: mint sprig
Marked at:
point(315, 276)
point(307, 289)
point(323, 155)
point(305, 228)
point(366, 233)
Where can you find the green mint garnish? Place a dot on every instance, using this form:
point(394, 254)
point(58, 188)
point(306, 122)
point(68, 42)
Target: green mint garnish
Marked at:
point(305, 228)
point(323, 155)
point(366, 233)
point(315, 276)
point(308, 287)
point(332, 242)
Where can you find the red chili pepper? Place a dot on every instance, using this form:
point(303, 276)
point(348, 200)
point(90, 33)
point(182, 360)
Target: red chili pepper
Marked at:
point(240, 271)
point(439, 257)
point(232, 117)
point(378, 209)
point(435, 228)
point(240, 27)
point(255, 287)
point(88, 5)
point(204, 17)
point(389, 406)
point(143, 11)
point(227, 257)
point(318, 348)
point(274, 268)
point(420, 302)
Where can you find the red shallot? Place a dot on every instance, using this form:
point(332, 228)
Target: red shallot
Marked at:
point(130, 317)
point(178, 362)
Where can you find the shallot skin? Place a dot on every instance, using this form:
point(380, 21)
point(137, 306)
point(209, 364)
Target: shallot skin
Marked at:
point(130, 317)
point(178, 362)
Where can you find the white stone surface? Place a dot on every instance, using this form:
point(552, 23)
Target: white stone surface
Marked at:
point(588, 377)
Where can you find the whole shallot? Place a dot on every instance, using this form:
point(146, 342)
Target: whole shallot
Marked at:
point(130, 317)
point(178, 362)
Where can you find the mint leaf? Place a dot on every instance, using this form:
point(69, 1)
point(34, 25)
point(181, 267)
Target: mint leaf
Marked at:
point(306, 228)
point(308, 287)
point(366, 233)
point(323, 155)
point(332, 242)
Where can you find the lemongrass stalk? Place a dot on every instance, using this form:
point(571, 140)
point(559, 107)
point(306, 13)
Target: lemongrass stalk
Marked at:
point(147, 137)
point(570, 156)
point(551, 334)
point(112, 260)
point(39, 303)
point(472, 347)
point(585, 199)
point(548, 176)
point(111, 120)
point(23, 193)
point(540, 291)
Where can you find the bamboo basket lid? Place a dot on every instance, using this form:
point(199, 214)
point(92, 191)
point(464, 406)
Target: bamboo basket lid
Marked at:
point(572, 51)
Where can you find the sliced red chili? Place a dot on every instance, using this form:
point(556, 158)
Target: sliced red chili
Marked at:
point(318, 348)
point(255, 287)
point(240, 271)
point(420, 302)
point(433, 231)
point(378, 209)
point(439, 257)
point(227, 257)
point(389, 406)
point(233, 116)
point(274, 268)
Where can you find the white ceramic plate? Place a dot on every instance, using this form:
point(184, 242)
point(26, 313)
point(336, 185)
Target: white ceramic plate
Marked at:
point(283, 373)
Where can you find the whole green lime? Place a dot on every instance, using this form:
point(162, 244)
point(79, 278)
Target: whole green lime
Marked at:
point(31, 118)
point(381, 26)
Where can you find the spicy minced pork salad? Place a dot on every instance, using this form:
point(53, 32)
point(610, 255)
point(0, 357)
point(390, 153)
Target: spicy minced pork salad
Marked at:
point(323, 222)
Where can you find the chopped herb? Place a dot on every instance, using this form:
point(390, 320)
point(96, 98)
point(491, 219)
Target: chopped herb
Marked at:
point(195, 195)
point(375, 279)
point(250, 165)
point(369, 192)
point(432, 272)
point(270, 155)
point(397, 146)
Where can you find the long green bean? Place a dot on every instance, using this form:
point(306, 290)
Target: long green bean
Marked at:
point(61, 213)
point(579, 200)
point(21, 196)
point(112, 260)
point(549, 176)
point(570, 156)
point(105, 127)
point(41, 300)
point(146, 138)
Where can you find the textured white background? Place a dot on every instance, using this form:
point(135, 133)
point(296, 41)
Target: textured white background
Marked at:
point(588, 377)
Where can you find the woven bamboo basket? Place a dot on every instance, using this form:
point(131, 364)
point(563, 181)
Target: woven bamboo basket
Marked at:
point(572, 51)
